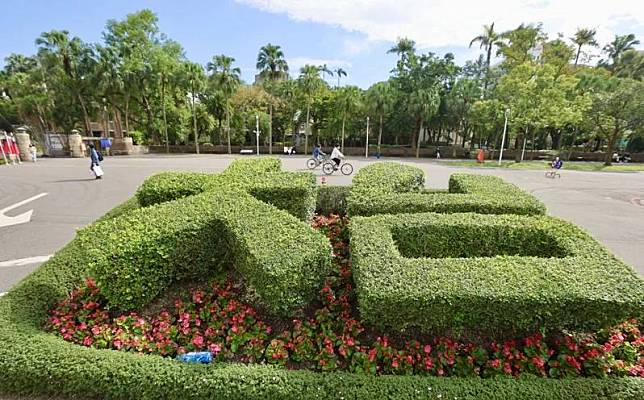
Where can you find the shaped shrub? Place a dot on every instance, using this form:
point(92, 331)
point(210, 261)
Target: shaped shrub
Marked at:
point(391, 188)
point(487, 272)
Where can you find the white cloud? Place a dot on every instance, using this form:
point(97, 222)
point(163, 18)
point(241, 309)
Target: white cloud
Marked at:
point(441, 23)
point(295, 63)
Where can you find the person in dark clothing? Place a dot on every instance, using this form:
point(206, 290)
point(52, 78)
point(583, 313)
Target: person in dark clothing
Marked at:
point(95, 159)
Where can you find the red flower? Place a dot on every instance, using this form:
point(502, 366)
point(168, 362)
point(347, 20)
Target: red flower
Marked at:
point(427, 349)
point(198, 341)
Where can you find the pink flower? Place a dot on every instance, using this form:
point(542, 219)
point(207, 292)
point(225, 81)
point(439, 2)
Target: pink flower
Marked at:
point(427, 349)
point(96, 330)
point(214, 348)
point(198, 341)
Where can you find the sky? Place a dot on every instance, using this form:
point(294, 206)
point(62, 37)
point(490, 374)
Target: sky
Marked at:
point(352, 34)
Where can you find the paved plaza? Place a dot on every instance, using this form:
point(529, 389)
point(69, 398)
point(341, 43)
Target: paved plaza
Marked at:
point(64, 197)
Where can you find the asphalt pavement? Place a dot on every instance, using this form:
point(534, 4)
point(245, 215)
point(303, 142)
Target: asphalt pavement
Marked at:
point(64, 196)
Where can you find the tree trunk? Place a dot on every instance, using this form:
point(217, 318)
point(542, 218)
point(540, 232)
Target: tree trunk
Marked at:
point(228, 129)
point(270, 129)
point(577, 57)
point(342, 137)
point(379, 135)
point(608, 159)
point(308, 128)
point(572, 144)
point(194, 121)
point(165, 122)
point(532, 146)
point(86, 120)
point(418, 141)
point(487, 69)
point(127, 115)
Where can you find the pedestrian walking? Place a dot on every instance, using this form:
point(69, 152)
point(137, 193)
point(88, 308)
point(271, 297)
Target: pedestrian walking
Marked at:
point(95, 159)
point(33, 151)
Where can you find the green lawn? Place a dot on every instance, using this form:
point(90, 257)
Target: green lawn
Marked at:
point(575, 166)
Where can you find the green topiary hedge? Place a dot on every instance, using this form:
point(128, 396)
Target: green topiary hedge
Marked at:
point(33, 362)
point(487, 273)
point(390, 188)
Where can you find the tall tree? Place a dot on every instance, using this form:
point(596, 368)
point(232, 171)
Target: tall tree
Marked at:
point(75, 58)
point(227, 78)
point(348, 101)
point(339, 72)
point(584, 37)
point(324, 70)
point(487, 40)
point(309, 82)
point(196, 80)
point(404, 47)
point(380, 100)
point(619, 46)
point(271, 64)
point(423, 103)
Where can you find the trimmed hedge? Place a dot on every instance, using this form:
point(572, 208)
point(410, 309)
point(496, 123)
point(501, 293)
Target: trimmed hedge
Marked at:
point(136, 256)
point(332, 200)
point(391, 188)
point(487, 273)
point(33, 362)
point(295, 192)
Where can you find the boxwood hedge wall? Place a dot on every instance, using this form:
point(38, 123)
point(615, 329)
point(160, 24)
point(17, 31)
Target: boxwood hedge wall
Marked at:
point(488, 273)
point(392, 188)
point(33, 362)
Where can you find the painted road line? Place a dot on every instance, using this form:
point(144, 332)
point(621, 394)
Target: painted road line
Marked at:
point(18, 219)
point(24, 261)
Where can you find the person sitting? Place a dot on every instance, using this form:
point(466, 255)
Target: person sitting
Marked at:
point(336, 155)
point(557, 163)
point(318, 153)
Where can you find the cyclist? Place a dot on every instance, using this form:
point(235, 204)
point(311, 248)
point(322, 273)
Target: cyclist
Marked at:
point(336, 155)
point(557, 163)
point(318, 153)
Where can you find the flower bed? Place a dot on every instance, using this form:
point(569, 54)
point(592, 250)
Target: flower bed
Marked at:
point(333, 338)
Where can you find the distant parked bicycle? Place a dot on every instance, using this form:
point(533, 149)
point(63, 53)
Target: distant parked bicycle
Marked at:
point(329, 167)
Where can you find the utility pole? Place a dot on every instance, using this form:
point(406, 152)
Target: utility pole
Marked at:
point(366, 149)
point(505, 128)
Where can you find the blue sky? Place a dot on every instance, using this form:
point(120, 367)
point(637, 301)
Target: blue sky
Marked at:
point(354, 35)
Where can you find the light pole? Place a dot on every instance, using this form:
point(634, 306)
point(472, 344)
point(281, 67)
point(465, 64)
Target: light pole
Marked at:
point(505, 128)
point(257, 132)
point(366, 148)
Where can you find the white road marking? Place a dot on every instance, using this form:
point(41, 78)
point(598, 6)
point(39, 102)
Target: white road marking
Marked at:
point(18, 219)
point(24, 261)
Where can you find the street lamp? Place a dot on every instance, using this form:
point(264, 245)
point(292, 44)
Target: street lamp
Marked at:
point(505, 128)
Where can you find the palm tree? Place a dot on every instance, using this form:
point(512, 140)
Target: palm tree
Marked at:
point(487, 40)
point(424, 104)
point(348, 101)
point(69, 52)
point(195, 77)
point(324, 70)
point(226, 78)
point(617, 47)
point(379, 98)
point(309, 81)
point(404, 48)
point(271, 63)
point(583, 37)
point(339, 72)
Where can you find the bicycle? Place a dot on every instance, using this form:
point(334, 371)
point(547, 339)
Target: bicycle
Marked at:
point(553, 174)
point(313, 163)
point(329, 167)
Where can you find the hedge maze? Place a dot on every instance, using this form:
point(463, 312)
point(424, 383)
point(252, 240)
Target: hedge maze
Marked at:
point(481, 255)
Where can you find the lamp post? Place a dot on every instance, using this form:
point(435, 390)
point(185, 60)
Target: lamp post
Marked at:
point(257, 132)
point(366, 149)
point(505, 128)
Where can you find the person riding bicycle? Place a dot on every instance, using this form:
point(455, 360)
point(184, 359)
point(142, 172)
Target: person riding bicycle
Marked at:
point(336, 155)
point(318, 153)
point(557, 163)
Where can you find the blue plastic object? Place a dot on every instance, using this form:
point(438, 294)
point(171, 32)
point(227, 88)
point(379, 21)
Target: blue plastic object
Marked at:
point(199, 357)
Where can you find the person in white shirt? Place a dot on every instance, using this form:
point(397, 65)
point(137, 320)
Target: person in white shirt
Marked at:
point(336, 155)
